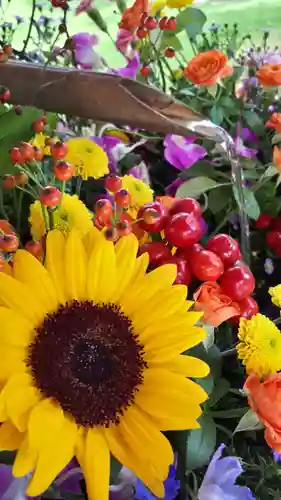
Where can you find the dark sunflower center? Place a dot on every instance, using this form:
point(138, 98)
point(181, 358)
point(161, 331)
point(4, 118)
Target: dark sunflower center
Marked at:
point(88, 358)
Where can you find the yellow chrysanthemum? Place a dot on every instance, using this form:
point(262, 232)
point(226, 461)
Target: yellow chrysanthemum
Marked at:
point(275, 293)
point(91, 362)
point(157, 7)
point(88, 159)
point(178, 4)
point(72, 213)
point(260, 345)
point(140, 193)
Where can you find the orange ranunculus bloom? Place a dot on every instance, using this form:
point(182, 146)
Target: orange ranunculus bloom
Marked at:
point(207, 67)
point(132, 15)
point(274, 122)
point(216, 306)
point(265, 400)
point(277, 158)
point(6, 227)
point(269, 75)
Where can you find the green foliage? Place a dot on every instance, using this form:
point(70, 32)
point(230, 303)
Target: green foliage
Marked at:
point(195, 187)
point(201, 443)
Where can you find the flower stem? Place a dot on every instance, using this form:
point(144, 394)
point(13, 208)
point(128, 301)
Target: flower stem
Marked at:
point(2, 207)
point(20, 197)
point(30, 27)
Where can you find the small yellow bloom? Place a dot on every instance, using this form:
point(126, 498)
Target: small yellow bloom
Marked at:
point(260, 345)
point(140, 193)
point(275, 293)
point(88, 159)
point(39, 141)
point(157, 6)
point(72, 213)
point(178, 4)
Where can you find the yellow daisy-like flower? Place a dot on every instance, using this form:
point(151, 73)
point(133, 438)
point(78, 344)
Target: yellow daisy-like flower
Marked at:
point(72, 213)
point(39, 141)
point(140, 193)
point(275, 293)
point(91, 362)
point(157, 7)
point(178, 4)
point(260, 345)
point(88, 159)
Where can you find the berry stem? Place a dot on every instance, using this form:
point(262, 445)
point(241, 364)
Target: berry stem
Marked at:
point(2, 207)
point(62, 193)
point(46, 217)
point(20, 197)
point(29, 28)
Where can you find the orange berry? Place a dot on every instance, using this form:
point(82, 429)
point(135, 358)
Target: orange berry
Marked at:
point(27, 151)
point(50, 196)
point(149, 215)
point(38, 153)
point(123, 227)
point(63, 171)
point(9, 242)
point(16, 156)
point(59, 150)
point(103, 210)
point(171, 24)
point(163, 23)
point(35, 248)
point(113, 183)
point(21, 179)
point(145, 71)
point(111, 234)
point(122, 198)
point(9, 181)
point(38, 126)
point(141, 33)
point(8, 49)
point(169, 52)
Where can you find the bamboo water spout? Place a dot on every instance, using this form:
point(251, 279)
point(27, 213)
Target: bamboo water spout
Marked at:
point(110, 98)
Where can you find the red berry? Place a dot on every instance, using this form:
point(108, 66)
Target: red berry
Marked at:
point(171, 24)
point(276, 224)
point(27, 151)
point(238, 282)
point(248, 307)
point(183, 272)
point(186, 206)
point(159, 222)
point(145, 71)
point(183, 230)
point(143, 18)
point(187, 253)
point(157, 251)
point(163, 23)
point(169, 52)
point(59, 150)
point(50, 196)
point(9, 242)
point(35, 248)
point(111, 234)
point(263, 222)
point(206, 265)
point(9, 181)
point(226, 248)
point(5, 96)
point(122, 198)
point(59, 3)
point(273, 239)
point(8, 49)
point(113, 183)
point(44, 119)
point(123, 227)
point(150, 23)
point(63, 171)
point(38, 126)
point(141, 33)
point(16, 156)
point(38, 153)
point(103, 210)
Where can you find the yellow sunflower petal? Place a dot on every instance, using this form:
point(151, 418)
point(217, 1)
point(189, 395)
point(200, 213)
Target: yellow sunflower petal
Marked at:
point(101, 278)
point(174, 342)
point(15, 329)
point(129, 459)
point(141, 266)
point(55, 253)
point(49, 464)
point(12, 361)
point(19, 297)
point(45, 415)
point(91, 239)
point(126, 251)
point(17, 398)
point(10, 437)
point(30, 271)
point(96, 465)
point(185, 365)
point(75, 267)
point(25, 460)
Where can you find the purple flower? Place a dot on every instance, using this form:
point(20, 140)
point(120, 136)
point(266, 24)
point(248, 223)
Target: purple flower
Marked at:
point(250, 83)
point(243, 150)
point(108, 143)
point(181, 152)
point(248, 135)
point(171, 484)
point(220, 478)
point(276, 457)
point(131, 68)
point(85, 55)
point(173, 187)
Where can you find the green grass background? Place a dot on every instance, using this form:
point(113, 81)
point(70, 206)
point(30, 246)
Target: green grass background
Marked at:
point(251, 15)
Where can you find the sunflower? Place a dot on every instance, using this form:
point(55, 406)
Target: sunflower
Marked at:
point(140, 193)
point(91, 362)
point(260, 345)
point(71, 213)
point(88, 159)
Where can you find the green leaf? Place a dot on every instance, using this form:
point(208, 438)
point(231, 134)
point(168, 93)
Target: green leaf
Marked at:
point(216, 114)
point(233, 413)
point(227, 102)
point(219, 198)
point(201, 443)
point(15, 128)
point(251, 205)
point(249, 422)
point(276, 139)
point(210, 336)
point(115, 468)
point(254, 121)
point(96, 16)
point(212, 90)
point(195, 187)
point(168, 40)
point(220, 389)
point(207, 383)
point(191, 20)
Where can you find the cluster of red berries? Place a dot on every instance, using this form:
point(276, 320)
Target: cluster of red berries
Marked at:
point(9, 243)
point(273, 237)
point(219, 260)
point(148, 23)
point(63, 4)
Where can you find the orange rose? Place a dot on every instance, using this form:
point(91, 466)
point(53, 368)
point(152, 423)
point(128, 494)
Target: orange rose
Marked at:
point(274, 122)
point(132, 16)
point(269, 75)
point(265, 400)
point(277, 158)
point(217, 307)
point(206, 67)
